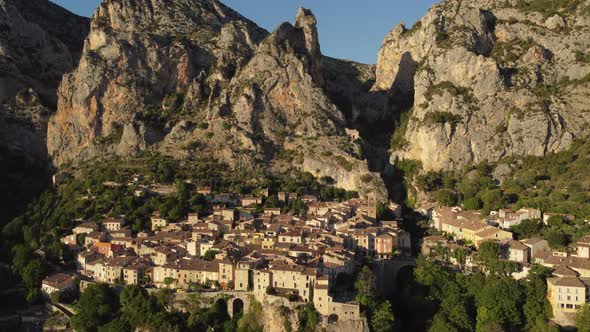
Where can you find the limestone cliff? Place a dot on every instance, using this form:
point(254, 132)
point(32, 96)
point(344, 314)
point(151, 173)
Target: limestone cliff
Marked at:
point(39, 42)
point(193, 76)
point(489, 79)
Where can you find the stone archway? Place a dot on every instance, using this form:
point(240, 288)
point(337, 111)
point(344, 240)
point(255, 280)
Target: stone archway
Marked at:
point(238, 304)
point(333, 318)
point(237, 307)
point(388, 271)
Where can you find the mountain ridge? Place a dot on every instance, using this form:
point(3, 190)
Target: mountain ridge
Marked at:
point(219, 83)
point(490, 80)
point(470, 82)
point(39, 42)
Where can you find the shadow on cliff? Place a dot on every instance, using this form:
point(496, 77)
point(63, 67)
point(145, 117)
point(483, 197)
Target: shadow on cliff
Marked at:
point(377, 115)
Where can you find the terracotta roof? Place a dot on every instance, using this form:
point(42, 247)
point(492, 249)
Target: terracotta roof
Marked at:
point(567, 282)
point(194, 264)
point(571, 262)
point(120, 261)
point(513, 244)
point(58, 280)
point(487, 232)
point(287, 267)
point(563, 271)
point(532, 241)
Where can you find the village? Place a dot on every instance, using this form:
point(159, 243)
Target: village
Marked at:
point(466, 231)
point(239, 248)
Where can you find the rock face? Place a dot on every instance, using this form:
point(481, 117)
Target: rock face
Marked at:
point(484, 80)
point(193, 76)
point(489, 79)
point(39, 42)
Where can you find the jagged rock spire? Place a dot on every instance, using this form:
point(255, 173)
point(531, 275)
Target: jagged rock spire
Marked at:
point(307, 21)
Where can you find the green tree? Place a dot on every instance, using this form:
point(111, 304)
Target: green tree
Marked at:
point(445, 197)
point(441, 323)
point(136, 306)
point(252, 319)
point(428, 273)
point(116, 325)
point(164, 297)
point(472, 203)
point(97, 306)
point(488, 255)
point(493, 200)
point(309, 318)
point(54, 252)
point(468, 188)
point(536, 308)
point(583, 318)
point(32, 275)
point(450, 295)
point(210, 255)
point(429, 182)
point(382, 319)
point(556, 221)
point(168, 281)
point(556, 238)
point(365, 288)
point(22, 254)
point(460, 255)
point(527, 228)
point(499, 303)
point(212, 318)
point(146, 312)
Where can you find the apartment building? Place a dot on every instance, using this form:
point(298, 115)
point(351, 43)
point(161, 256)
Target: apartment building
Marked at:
point(568, 294)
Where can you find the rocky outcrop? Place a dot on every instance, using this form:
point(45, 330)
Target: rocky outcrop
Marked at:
point(145, 66)
point(35, 53)
point(489, 79)
point(187, 76)
point(279, 313)
point(360, 325)
point(39, 42)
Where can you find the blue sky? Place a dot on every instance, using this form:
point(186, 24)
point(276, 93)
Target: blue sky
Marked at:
point(349, 29)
